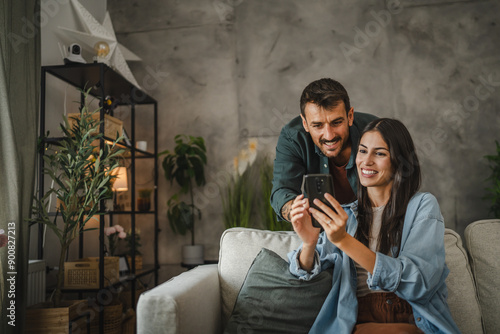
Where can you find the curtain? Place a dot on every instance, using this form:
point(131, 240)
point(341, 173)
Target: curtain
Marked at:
point(19, 91)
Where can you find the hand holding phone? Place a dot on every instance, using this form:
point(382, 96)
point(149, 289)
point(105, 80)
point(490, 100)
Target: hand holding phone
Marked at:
point(315, 186)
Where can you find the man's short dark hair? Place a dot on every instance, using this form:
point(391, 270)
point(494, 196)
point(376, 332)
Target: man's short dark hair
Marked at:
point(325, 93)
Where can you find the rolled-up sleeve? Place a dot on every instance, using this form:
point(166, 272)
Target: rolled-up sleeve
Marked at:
point(326, 255)
point(296, 270)
point(418, 270)
point(289, 167)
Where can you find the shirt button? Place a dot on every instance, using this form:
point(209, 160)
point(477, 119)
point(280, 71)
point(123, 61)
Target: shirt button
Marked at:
point(418, 319)
point(325, 165)
point(389, 301)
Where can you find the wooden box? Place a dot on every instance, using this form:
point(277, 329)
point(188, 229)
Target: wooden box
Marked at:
point(138, 262)
point(84, 273)
point(111, 124)
point(43, 318)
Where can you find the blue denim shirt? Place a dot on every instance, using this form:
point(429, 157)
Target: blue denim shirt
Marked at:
point(417, 275)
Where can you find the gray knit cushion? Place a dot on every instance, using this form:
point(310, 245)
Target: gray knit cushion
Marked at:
point(238, 249)
point(273, 301)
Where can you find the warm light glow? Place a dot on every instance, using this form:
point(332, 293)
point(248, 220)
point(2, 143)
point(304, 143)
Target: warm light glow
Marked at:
point(101, 49)
point(121, 182)
point(93, 222)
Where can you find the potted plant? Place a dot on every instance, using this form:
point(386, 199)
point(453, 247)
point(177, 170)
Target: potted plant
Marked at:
point(239, 194)
point(134, 246)
point(238, 199)
point(82, 174)
point(114, 234)
point(494, 190)
point(267, 213)
point(144, 199)
point(186, 165)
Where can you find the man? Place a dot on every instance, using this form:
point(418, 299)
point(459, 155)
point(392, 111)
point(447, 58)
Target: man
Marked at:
point(323, 139)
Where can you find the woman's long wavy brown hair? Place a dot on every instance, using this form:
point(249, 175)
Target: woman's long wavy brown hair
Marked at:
point(407, 179)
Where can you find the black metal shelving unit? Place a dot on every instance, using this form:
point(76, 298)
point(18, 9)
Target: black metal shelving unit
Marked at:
point(103, 81)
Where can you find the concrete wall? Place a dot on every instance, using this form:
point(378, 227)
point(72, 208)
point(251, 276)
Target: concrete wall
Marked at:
point(234, 70)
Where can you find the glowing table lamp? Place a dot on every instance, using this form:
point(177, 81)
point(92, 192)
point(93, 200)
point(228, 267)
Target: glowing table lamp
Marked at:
point(121, 182)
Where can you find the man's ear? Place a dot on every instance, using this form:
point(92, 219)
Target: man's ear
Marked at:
point(304, 123)
point(350, 116)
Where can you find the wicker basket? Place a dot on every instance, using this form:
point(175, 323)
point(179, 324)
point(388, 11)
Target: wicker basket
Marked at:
point(113, 318)
point(84, 273)
point(129, 322)
point(126, 296)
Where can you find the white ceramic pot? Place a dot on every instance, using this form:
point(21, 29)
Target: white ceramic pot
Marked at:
point(192, 254)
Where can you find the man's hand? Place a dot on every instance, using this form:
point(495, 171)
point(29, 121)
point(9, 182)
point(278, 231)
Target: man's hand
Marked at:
point(333, 221)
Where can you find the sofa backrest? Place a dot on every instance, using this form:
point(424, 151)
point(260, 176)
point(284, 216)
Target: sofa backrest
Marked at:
point(462, 298)
point(483, 243)
point(239, 246)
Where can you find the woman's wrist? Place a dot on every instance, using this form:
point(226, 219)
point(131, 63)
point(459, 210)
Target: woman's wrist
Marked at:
point(343, 243)
point(357, 252)
point(306, 257)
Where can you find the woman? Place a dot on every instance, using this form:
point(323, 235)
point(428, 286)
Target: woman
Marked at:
point(386, 249)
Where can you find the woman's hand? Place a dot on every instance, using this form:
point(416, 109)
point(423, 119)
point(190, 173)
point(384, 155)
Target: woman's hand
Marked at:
point(301, 221)
point(333, 222)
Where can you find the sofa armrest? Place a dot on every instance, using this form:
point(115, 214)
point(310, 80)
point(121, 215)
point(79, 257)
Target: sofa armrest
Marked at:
point(188, 303)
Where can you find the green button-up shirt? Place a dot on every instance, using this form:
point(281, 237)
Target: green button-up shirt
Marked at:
point(297, 155)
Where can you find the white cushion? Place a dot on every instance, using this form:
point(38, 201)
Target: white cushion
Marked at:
point(462, 299)
point(238, 249)
point(483, 242)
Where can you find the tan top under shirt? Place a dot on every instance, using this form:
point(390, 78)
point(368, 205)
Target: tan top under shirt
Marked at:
point(362, 273)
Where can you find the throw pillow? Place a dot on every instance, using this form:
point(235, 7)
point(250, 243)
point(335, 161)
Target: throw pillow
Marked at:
point(272, 300)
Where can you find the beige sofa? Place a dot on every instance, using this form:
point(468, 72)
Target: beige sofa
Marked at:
point(201, 300)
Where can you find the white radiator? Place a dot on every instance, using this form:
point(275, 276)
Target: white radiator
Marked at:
point(36, 281)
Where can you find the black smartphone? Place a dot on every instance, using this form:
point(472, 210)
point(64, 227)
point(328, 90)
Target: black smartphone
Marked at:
point(315, 186)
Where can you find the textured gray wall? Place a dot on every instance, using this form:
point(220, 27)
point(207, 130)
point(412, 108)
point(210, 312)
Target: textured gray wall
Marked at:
point(234, 70)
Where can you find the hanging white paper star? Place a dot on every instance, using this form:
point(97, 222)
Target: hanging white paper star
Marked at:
point(96, 32)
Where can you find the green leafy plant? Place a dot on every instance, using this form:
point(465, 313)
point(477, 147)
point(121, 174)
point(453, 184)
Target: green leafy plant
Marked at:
point(185, 165)
point(145, 192)
point(82, 174)
point(144, 199)
point(268, 216)
point(133, 245)
point(494, 190)
point(239, 193)
point(237, 200)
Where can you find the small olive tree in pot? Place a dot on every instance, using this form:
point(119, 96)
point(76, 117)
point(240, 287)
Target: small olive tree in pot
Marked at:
point(186, 165)
point(82, 173)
